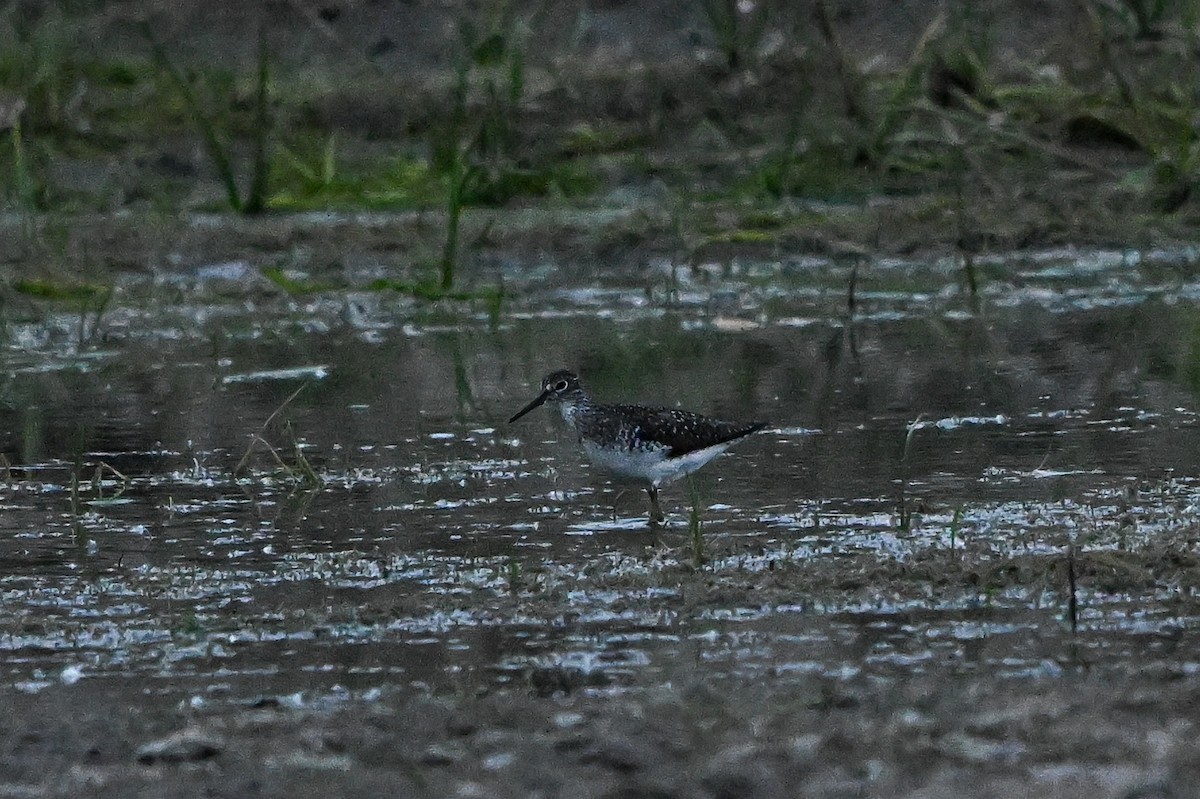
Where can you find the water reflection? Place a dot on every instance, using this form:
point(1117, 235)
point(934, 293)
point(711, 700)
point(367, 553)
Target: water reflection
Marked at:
point(447, 549)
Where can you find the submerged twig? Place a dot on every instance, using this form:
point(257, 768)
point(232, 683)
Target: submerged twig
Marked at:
point(306, 472)
point(255, 440)
point(98, 479)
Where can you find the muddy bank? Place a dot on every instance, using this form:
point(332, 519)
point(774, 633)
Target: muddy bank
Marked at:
point(1073, 733)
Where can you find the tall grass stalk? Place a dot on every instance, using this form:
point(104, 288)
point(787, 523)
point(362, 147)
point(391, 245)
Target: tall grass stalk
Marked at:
point(256, 201)
point(905, 520)
point(205, 123)
point(23, 180)
point(24, 184)
point(966, 235)
point(208, 127)
point(77, 530)
point(845, 73)
point(695, 527)
point(899, 105)
point(93, 311)
point(475, 149)
point(456, 197)
point(1107, 59)
point(512, 573)
point(735, 32)
point(776, 179)
point(852, 291)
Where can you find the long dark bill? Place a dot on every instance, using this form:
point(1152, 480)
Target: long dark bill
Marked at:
point(540, 399)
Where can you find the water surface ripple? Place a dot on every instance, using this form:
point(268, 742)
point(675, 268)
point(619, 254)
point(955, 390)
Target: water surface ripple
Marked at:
point(173, 521)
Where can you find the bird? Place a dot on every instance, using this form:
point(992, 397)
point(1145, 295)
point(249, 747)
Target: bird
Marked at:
point(651, 446)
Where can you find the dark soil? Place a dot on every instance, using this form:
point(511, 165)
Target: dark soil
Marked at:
point(1075, 735)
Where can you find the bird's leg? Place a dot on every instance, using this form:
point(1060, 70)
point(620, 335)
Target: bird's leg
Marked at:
point(656, 514)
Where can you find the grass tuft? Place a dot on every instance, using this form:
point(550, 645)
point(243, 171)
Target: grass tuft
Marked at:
point(216, 140)
point(300, 471)
point(736, 28)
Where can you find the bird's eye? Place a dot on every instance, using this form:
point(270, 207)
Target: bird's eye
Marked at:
point(561, 385)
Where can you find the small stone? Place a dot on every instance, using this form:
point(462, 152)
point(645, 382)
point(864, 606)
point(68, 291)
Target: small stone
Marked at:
point(71, 674)
point(618, 755)
point(567, 719)
point(974, 749)
point(805, 748)
point(184, 746)
point(439, 755)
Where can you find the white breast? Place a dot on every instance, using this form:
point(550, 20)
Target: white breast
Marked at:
point(651, 464)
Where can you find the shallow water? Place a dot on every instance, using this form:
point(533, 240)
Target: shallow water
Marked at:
point(447, 549)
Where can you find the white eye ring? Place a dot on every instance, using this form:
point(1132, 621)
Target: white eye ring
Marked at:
point(561, 385)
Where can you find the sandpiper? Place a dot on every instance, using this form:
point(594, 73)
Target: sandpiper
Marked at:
point(652, 446)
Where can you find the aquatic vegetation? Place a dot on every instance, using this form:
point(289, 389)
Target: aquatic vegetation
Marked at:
point(307, 179)
point(294, 286)
point(39, 62)
point(736, 27)
point(90, 492)
point(1156, 116)
point(90, 301)
point(40, 78)
point(82, 293)
point(298, 471)
point(24, 183)
point(950, 132)
point(492, 296)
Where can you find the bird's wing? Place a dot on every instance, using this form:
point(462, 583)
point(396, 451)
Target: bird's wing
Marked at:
point(684, 431)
